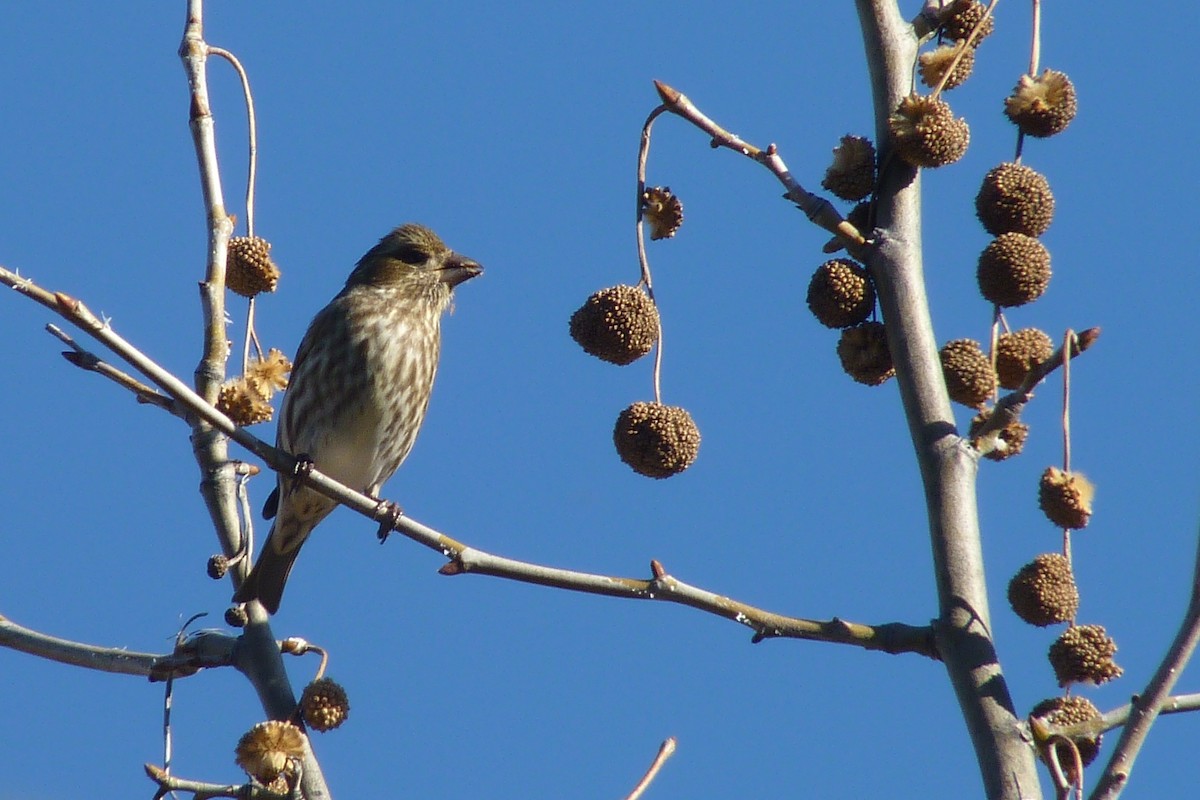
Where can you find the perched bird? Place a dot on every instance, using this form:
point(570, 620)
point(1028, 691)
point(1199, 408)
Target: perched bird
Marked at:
point(359, 388)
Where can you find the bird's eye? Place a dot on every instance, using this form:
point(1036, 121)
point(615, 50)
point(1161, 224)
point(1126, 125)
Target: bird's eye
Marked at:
point(410, 254)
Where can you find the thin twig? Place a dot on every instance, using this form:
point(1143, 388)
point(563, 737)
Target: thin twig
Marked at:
point(86, 360)
point(643, 261)
point(819, 210)
point(962, 49)
point(252, 126)
point(665, 751)
point(202, 790)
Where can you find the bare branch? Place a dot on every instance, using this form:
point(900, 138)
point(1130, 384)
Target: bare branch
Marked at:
point(196, 652)
point(665, 751)
point(86, 360)
point(203, 791)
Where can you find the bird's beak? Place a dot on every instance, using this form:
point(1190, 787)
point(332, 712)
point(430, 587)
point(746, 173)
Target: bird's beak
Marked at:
point(458, 269)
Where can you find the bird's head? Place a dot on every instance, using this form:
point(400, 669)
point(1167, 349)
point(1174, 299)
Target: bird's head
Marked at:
point(412, 255)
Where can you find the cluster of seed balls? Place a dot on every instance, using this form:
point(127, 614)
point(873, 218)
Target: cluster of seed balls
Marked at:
point(619, 325)
point(270, 751)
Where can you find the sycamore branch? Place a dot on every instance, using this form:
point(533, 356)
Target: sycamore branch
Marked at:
point(889, 637)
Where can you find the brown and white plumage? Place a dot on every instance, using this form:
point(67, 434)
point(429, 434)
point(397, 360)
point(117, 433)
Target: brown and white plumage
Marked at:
point(359, 387)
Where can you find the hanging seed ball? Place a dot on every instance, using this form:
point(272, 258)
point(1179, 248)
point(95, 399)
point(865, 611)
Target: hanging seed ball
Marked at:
point(1065, 711)
point(1066, 498)
point(1015, 198)
point(851, 176)
point(236, 616)
point(1001, 444)
point(655, 440)
point(1042, 106)
point(965, 15)
point(1013, 270)
point(1017, 353)
point(218, 565)
point(618, 324)
point(270, 374)
point(268, 748)
point(249, 269)
point(1084, 654)
point(840, 293)
point(242, 403)
point(934, 64)
point(324, 704)
point(925, 132)
point(663, 211)
point(969, 376)
point(1043, 591)
point(863, 351)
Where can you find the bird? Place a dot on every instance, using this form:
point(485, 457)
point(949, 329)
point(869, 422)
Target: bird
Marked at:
point(359, 389)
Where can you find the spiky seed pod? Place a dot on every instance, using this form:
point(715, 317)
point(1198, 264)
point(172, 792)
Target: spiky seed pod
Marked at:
point(657, 441)
point(1015, 198)
point(1013, 270)
point(963, 19)
point(841, 294)
point(863, 351)
point(269, 375)
point(324, 704)
point(934, 64)
point(236, 616)
point(663, 211)
point(1065, 711)
point(969, 376)
point(860, 218)
point(1084, 654)
point(1066, 498)
point(926, 133)
point(1043, 592)
point(1019, 352)
point(618, 324)
point(242, 403)
point(851, 176)
point(1042, 106)
point(268, 749)
point(1003, 443)
point(218, 565)
point(249, 269)
point(282, 783)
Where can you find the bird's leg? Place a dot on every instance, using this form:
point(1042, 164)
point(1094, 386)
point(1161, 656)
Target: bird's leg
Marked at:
point(388, 514)
point(303, 468)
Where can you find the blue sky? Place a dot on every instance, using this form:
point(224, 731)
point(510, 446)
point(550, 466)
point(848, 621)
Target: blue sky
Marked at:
point(513, 131)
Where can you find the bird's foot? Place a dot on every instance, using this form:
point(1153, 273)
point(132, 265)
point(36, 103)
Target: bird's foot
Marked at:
point(389, 514)
point(303, 468)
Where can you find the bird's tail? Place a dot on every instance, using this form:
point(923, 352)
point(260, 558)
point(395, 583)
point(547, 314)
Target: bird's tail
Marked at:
point(266, 581)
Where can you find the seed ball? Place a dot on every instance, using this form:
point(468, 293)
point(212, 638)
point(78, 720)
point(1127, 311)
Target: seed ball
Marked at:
point(925, 132)
point(965, 15)
point(851, 176)
point(1013, 270)
point(934, 65)
point(1017, 353)
point(324, 704)
point(657, 441)
point(1042, 106)
point(863, 351)
point(249, 269)
point(1084, 654)
point(841, 294)
point(1043, 592)
point(970, 379)
point(1066, 498)
point(1066, 711)
point(1015, 199)
point(267, 749)
point(618, 324)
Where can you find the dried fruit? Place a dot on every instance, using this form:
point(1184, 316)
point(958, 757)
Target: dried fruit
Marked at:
point(269, 748)
point(840, 293)
point(243, 403)
point(926, 133)
point(1066, 498)
point(1017, 353)
point(1002, 443)
point(324, 704)
point(1013, 270)
point(968, 372)
point(1015, 198)
point(863, 351)
point(966, 14)
point(1042, 106)
point(1043, 592)
point(934, 65)
point(1084, 654)
point(663, 211)
point(618, 324)
point(1063, 712)
point(249, 269)
point(657, 441)
point(851, 176)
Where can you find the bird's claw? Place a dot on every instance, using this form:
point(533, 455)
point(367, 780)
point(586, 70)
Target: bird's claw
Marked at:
point(303, 468)
point(391, 514)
